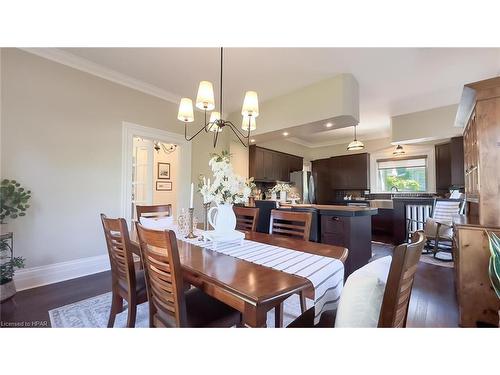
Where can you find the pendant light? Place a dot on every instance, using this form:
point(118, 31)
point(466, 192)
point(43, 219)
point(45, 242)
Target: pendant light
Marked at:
point(398, 151)
point(355, 145)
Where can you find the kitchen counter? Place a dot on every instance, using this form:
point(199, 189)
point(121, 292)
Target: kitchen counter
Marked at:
point(335, 210)
point(346, 226)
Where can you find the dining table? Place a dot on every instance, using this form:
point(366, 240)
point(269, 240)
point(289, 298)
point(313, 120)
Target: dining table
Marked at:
point(250, 288)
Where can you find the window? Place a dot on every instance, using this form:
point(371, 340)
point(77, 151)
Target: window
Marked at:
point(402, 175)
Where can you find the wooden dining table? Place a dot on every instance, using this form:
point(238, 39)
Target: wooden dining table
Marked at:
point(250, 288)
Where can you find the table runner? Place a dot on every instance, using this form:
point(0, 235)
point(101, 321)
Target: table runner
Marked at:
point(326, 274)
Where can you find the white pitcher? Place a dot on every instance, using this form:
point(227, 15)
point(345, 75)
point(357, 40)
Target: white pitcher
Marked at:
point(224, 219)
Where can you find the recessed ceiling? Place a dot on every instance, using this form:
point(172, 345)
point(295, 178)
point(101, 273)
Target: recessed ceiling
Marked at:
point(392, 81)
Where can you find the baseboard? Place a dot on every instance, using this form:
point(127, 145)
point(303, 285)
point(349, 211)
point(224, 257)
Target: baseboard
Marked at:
point(53, 273)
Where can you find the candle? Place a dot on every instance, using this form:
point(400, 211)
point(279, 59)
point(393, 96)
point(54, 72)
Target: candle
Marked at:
point(191, 200)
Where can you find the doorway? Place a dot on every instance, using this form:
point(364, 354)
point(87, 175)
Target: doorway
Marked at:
point(155, 166)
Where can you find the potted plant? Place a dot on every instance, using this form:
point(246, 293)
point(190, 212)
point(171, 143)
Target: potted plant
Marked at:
point(283, 189)
point(226, 189)
point(13, 204)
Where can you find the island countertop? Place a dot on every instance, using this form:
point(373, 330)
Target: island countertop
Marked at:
point(336, 210)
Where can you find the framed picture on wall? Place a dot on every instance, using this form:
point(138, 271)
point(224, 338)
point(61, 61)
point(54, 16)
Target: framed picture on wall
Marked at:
point(164, 171)
point(163, 185)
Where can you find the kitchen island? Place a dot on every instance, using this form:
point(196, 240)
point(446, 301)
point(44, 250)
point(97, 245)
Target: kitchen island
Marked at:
point(347, 226)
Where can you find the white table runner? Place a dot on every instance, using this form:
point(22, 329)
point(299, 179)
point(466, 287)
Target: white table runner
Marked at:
point(326, 274)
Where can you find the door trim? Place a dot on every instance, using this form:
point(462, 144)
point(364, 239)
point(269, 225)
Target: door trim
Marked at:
point(131, 130)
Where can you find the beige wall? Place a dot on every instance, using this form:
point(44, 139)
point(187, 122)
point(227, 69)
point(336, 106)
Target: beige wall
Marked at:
point(61, 137)
point(166, 197)
point(433, 124)
point(239, 158)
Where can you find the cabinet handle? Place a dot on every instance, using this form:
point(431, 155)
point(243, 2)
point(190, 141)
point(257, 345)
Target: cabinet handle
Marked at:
point(335, 218)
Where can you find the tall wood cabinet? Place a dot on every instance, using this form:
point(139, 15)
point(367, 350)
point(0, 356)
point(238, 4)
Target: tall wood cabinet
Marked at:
point(450, 165)
point(479, 111)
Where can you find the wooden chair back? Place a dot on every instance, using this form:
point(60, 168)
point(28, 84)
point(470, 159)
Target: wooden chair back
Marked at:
point(394, 310)
point(292, 224)
point(163, 273)
point(159, 210)
point(246, 218)
point(119, 251)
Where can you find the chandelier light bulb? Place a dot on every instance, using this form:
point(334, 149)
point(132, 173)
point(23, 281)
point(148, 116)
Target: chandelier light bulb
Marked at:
point(205, 98)
point(250, 104)
point(186, 110)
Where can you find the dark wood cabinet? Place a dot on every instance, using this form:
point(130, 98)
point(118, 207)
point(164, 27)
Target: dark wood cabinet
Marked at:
point(353, 233)
point(270, 165)
point(450, 165)
point(443, 168)
point(321, 171)
point(346, 172)
point(457, 162)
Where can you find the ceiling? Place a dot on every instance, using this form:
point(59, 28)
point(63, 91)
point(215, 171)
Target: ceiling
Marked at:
point(392, 81)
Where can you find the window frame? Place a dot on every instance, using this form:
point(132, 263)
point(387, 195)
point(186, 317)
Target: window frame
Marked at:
point(399, 158)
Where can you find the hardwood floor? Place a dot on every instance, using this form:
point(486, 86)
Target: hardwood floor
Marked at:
point(433, 302)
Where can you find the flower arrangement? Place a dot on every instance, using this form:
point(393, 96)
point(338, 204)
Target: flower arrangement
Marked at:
point(227, 187)
point(281, 187)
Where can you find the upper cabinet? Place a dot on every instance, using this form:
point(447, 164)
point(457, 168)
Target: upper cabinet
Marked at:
point(346, 172)
point(269, 165)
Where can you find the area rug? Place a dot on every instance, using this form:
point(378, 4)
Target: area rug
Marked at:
point(380, 250)
point(94, 313)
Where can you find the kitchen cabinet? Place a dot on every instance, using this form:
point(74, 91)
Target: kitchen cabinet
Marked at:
point(346, 172)
point(443, 167)
point(269, 165)
point(321, 171)
point(450, 165)
point(479, 109)
point(352, 232)
point(457, 162)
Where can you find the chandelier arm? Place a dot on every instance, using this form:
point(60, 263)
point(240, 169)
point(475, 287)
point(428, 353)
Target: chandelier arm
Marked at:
point(232, 127)
point(238, 130)
point(190, 138)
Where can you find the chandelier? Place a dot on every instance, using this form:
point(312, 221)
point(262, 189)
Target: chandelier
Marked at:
point(205, 101)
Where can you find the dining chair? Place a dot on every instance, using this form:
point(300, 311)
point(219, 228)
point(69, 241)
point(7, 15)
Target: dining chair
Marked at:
point(246, 218)
point(156, 211)
point(170, 305)
point(127, 283)
point(295, 225)
point(397, 293)
point(291, 224)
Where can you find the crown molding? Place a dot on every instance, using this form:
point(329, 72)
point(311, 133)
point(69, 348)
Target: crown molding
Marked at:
point(77, 62)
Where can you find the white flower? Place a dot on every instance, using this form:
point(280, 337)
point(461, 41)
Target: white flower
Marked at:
point(227, 187)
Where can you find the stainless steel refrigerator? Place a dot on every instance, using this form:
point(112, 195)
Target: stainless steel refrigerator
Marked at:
point(304, 184)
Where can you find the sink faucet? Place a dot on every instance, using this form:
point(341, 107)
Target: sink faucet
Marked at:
point(394, 188)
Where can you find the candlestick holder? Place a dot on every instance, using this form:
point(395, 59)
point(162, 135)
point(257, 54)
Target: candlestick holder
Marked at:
point(206, 207)
point(191, 229)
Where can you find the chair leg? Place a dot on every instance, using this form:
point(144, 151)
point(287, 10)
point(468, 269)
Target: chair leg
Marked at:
point(116, 307)
point(132, 311)
point(303, 305)
point(278, 316)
